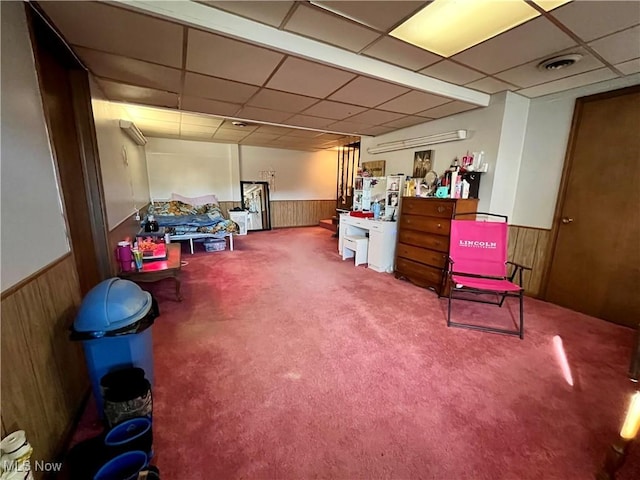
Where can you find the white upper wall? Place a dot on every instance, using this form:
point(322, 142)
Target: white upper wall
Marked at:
point(483, 127)
point(298, 175)
point(548, 128)
point(122, 162)
point(191, 168)
point(33, 227)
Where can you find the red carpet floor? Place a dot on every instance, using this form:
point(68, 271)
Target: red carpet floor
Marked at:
point(284, 362)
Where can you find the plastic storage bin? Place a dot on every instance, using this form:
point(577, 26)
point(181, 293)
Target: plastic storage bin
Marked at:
point(113, 324)
point(215, 244)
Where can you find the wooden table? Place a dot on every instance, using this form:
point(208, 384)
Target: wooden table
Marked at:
point(155, 270)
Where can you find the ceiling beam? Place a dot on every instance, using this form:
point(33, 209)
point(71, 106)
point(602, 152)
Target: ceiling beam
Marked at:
point(216, 21)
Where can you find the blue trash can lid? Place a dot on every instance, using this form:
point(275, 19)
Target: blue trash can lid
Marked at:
point(112, 304)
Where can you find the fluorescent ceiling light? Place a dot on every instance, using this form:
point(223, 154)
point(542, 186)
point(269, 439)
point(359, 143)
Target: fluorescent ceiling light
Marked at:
point(133, 131)
point(447, 27)
point(419, 141)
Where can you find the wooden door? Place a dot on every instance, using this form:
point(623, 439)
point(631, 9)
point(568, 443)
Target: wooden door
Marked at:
point(67, 108)
point(595, 265)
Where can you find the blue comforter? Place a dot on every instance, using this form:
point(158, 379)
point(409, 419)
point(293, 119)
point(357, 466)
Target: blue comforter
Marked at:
point(203, 220)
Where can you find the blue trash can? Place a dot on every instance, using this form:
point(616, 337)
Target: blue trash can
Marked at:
point(113, 324)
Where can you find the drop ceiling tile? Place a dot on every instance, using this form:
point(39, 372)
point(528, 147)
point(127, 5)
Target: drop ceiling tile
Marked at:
point(148, 127)
point(276, 100)
point(300, 133)
point(619, 47)
point(367, 92)
point(138, 112)
point(380, 15)
point(400, 53)
point(227, 134)
point(309, 121)
point(373, 131)
point(529, 74)
point(413, 102)
point(204, 105)
point(115, 30)
point(335, 110)
point(247, 128)
point(130, 93)
point(349, 127)
point(273, 129)
point(516, 46)
point(451, 72)
point(328, 28)
point(330, 137)
point(307, 78)
point(255, 113)
point(630, 67)
point(489, 85)
point(199, 120)
point(375, 117)
point(568, 83)
point(196, 129)
point(222, 57)
point(128, 70)
point(591, 20)
point(448, 109)
point(407, 121)
point(196, 85)
point(271, 13)
point(260, 137)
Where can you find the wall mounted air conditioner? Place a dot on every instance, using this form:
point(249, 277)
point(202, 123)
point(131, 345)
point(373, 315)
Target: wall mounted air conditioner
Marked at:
point(133, 131)
point(418, 141)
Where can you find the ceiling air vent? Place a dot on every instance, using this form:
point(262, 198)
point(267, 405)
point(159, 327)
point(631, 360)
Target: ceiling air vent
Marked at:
point(556, 63)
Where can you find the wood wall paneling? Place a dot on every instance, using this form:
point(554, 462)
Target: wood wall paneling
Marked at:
point(299, 213)
point(528, 246)
point(44, 378)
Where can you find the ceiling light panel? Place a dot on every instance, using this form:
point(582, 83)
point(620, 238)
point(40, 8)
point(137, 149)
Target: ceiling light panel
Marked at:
point(447, 27)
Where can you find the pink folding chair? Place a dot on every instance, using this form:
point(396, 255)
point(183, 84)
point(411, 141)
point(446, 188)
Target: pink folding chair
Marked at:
point(478, 266)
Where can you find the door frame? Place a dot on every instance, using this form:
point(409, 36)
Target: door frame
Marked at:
point(566, 174)
point(267, 202)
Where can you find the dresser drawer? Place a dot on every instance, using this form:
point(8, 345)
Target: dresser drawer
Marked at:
point(418, 273)
point(428, 207)
point(422, 255)
point(427, 240)
point(439, 226)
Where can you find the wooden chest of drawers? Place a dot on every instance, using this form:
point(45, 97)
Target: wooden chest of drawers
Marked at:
point(423, 239)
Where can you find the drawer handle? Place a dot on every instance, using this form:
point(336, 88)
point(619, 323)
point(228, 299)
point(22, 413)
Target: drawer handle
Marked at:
point(439, 225)
point(440, 209)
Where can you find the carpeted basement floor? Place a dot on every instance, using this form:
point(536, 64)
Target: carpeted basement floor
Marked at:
point(285, 362)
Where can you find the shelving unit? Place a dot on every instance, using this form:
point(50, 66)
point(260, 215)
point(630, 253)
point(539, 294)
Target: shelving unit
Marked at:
point(368, 189)
point(393, 194)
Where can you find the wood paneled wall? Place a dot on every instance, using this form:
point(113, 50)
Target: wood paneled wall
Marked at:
point(528, 247)
point(44, 378)
point(300, 213)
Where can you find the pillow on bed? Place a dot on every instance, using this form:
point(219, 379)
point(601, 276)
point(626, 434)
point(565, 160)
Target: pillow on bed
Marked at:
point(196, 201)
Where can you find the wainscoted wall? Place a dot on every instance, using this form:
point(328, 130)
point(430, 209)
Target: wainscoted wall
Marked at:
point(44, 378)
point(125, 229)
point(528, 246)
point(299, 213)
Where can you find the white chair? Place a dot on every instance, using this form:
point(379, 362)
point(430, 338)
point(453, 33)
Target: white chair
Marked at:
point(355, 246)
